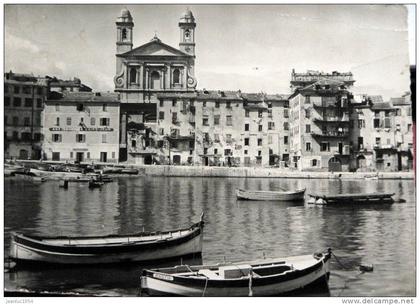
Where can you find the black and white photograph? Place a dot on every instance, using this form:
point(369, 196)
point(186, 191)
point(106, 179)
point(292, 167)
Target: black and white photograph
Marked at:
point(209, 150)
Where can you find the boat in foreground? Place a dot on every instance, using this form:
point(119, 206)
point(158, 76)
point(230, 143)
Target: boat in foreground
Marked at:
point(140, 247)
point(266, 277)
point(271, 195)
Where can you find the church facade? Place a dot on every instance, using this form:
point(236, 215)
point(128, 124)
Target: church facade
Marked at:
point(154, 67)
point(144, 72)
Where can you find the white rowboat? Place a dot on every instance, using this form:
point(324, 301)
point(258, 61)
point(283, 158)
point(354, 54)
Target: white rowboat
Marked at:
point(270, 195)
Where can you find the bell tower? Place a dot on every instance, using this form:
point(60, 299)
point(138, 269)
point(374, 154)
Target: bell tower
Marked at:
point(187, 30)
point(124, 35)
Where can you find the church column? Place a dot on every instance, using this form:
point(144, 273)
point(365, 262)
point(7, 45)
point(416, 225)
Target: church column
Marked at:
point(168, 76)
point(163, 78)
point(147, 78)
point(141, 77)
point(185, 77)
point(126, 75)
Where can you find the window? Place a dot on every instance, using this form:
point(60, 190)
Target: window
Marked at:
point(216, 119)
point(286, 139)
point(176, 77)
point(56, 156)
point(314, 162)
point(39, 102)
point(103, 107)
point(217, 104)
point(161, 131)
point(246, 127)
point(160, 103)
point(378, 141)
point(15, 135)
point(259, 142)
point(104, 138)
point(17, 89)
point(216, 138)
point(270, 112)
point(215, 151)
point(286, 126)
point(92, 121)
point(133, 75)
point(270, 139)
point(259, 127)
point(26, 90)
point(104, 122)
point(308, 128)
point(26, 121)
point(57, 107)
point(308, 146)
point(205, 121)
point(308, 113)
point(286, 113)
point(88, 155)
point(124, 34)
point(6, 101)
point(307, 99)
point(259, 153)
point(388, 141)
point(398, 113)
point(15, 121)
point(376, 123)
point(57, 122)
point(37, 137)
point(68, 121)
point(228, 120)
point(39, 91)
point(246, 141)
point(245, 152)
point(80, 107)
point(205, 150)
point(174, 103)
point(409, 127)
point(228, 138)
point(161, 115)
point(80, 138)
point(227, 152)
point(56, 137)
point(387, 122)
point(204, 104)
point(228, 105)
point(325, 146)
point(28, 102)
point(17, 102)
point(361, 123)
point(246, 113)
point(386, 113)
point(260, 113)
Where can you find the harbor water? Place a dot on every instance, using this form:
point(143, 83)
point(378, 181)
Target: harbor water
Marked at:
point(382, 235)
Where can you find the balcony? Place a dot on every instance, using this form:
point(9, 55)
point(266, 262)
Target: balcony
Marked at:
point(333, 119)
point(331, 134)
point(384, 147)
point(191, 119)
point(143, 151)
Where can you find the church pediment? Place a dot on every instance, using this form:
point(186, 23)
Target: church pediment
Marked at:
point(155, 48)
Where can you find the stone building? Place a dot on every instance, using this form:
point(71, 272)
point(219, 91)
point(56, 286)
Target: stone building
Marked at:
point(81, 126)
point(24, 96)
point(148, 70)
point(319, 124)
point(71, 85)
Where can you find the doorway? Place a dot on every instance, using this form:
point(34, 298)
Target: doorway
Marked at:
point(80, 156)
point(103, 156)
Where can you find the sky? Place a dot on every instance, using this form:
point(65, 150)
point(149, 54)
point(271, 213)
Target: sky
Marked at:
point(248, 47)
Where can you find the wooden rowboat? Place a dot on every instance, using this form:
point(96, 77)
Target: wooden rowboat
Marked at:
point(270, 195)
point(260, 278)
point(342, 199)
point(140, 247)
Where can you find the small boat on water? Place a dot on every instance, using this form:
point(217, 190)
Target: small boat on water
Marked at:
point(362, 198)
point(270, 195)
point(266, 277)
point(95, 184)
point(139, 247)
point(28, 174)
point(130, 171)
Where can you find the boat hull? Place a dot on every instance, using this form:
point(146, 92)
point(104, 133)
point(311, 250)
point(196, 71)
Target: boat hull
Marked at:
point(155, 284)
point(27, 252)
point(297, 195)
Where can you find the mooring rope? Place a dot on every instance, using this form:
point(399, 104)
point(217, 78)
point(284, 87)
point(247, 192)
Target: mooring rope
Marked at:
point(205, 286)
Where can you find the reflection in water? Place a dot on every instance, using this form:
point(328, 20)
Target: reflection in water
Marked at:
point(234, 231)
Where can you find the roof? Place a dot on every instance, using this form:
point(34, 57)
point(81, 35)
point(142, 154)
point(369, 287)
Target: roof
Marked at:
point(375, 98)
point(155, 48)
point(84, 97)
point(382, 106)
point(400, 101)
point(277, 97)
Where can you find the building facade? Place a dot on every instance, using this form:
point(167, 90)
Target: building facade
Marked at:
point(319, 129)
point(24, 96)
point(82, 127)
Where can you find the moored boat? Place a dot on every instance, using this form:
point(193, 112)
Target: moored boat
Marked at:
point(271, 195)
point(139, 247)
point(361, 198)
point(130, 171)
point(266, 277)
